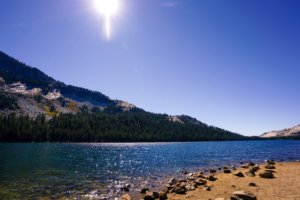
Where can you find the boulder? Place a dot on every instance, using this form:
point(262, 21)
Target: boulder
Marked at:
point(149, 197)
point(193, 183)
point(179, 190)
point(227, 171)
point(155, 195)
point(252, 169)
point(245, 166)
point(251, 164)
point(239, 174)
point(268, 166)
point(190, 178)
point(172, 181)
point(252, 184)
point(270, 162)
point(242, 195)
point(250, 173)
point(256, 167)
point(126, 197)
point(167, 185)
point(269, 170)
point(144, 190)
point(212, 171)
point(166, 190)
point(200, 181)
point(199, 175)
point(266, 174)
point(202, 176)
point(162, 195)
point(211, 178)
point(182, 184)
point(190, 187)
point(207, 188)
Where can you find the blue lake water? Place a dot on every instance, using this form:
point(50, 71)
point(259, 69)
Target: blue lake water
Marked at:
point(73, 170)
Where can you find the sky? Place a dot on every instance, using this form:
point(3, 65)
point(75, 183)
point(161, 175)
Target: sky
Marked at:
point(234, 64)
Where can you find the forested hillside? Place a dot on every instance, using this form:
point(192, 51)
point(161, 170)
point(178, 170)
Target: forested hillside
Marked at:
point(106, 127)
point(36, 107)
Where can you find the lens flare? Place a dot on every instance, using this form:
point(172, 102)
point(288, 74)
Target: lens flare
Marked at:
point(107, 8)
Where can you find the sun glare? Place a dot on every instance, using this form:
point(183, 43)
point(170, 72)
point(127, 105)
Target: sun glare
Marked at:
point(107, 8)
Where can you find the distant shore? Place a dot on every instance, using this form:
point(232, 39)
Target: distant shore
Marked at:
point(269, 181)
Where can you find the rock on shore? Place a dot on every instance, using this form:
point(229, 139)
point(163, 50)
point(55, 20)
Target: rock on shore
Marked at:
point(238, 186)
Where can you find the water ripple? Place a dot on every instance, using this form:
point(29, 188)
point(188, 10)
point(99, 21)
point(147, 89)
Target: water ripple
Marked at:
point(41, 170)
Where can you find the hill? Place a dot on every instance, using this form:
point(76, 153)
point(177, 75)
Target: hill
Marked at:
point(36, 107)
point(289, 132)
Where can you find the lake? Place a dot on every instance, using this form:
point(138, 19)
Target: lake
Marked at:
point(31, 170)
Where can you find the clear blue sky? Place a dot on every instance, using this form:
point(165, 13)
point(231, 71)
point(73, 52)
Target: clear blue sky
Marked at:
point(230, 63)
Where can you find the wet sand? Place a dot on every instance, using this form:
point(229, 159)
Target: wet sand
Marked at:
point(285, 185)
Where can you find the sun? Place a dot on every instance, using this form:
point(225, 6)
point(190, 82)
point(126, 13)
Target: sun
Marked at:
point(107, 8)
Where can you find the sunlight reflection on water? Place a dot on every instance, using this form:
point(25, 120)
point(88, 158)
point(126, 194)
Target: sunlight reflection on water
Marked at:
point(36, 170)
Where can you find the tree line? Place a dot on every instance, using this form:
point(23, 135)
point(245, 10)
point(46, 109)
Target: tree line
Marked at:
point(107, 127)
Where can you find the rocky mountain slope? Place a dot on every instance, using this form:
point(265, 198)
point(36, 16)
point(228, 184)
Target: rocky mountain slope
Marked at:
point(36, 93)
point(289, 132)
point(33, 103)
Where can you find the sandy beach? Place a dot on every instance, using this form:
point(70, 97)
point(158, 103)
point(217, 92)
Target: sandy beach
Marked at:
point(284, 185)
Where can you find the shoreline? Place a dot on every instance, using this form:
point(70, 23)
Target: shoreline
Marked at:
point(103, 171)
point(221, 184)
point(247, 138)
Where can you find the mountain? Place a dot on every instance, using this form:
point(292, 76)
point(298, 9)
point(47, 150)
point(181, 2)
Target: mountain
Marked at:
point(36, 107)
point(37, 93)
point(14, 71)
point(289, 132)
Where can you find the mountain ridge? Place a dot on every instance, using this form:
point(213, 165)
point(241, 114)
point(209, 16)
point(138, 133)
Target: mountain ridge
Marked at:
point(13, 70)
point(288, 132)
point(47, 105)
